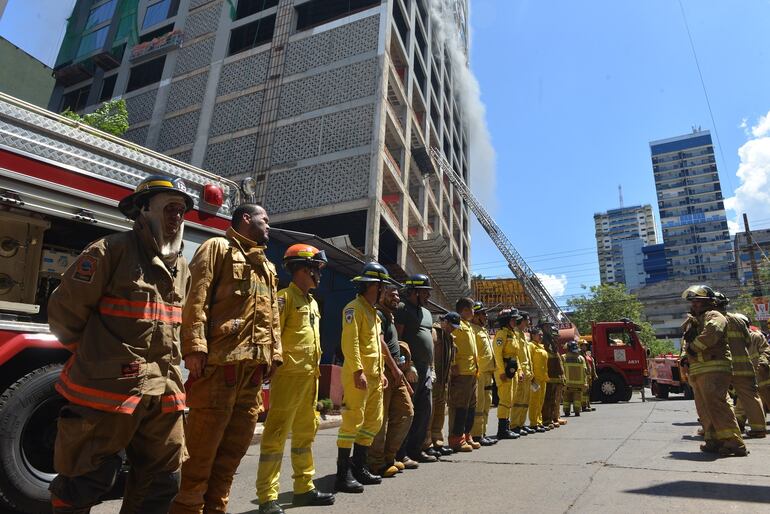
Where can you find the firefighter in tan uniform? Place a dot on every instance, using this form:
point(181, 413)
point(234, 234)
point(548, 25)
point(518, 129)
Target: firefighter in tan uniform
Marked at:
point(759, 352)
point(486, 375)
point(443, 354)
point(118, 310)
point(585, 351)
point(363, 381)
point(231, 341)
point(747, 403)
point(555, 387)
point(539, 377)
point(710, 372)
point(294, 386)
point(506, 371)
point(575, 373)
point(523, 388)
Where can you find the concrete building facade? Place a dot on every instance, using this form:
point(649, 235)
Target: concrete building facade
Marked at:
point(330, 105)
point(760, 249)
point(620, 235)
point(691, 207)
point(24, 77)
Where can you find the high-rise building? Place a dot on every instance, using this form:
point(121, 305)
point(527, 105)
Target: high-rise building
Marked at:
point(692, 211)
point(760, 248)
point(655, 269)
point(330, 105)
point(620, 235)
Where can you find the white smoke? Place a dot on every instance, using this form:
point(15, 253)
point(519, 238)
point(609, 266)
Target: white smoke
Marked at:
point(752, 196)
point(482, 154)
point(554, 284)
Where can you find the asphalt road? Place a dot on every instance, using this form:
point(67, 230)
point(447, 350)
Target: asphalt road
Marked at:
point(640, 457)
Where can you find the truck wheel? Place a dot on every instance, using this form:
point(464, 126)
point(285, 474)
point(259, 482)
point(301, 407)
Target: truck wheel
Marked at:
point(687, 390)
point(663, 391)
point(29, 410)
point(629, 393)
point(611, 388)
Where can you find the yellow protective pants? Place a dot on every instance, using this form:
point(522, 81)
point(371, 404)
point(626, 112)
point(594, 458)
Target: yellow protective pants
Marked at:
point(520, 403)
point(361, 411)
point(506, 391)
point(293, 401)
point(716, 415)
point(748, 404)
point(483, 403)
point(571, 399)
point(536, 400)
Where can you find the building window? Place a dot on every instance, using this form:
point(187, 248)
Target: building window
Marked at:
point(251, 35)
point(108, 87)
point(318, 12)
point(146, 74)
point(249, 7)
point(149, 36)
point(75, 100)
point(159, 12)
point(92, 42)
point(100, 14)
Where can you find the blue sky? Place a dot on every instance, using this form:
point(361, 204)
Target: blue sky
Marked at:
point(575, 91)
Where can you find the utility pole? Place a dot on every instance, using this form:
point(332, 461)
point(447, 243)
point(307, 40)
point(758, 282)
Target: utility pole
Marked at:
point(754, 268)
point(620, 194)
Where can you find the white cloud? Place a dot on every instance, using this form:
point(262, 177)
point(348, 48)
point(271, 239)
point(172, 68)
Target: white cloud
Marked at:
point(555, 284)
point(752, 196)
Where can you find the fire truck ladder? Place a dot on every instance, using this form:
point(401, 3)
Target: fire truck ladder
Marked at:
point(532, 285)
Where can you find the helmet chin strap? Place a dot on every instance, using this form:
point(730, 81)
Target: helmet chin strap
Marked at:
point(316, 278)
point(153, 213)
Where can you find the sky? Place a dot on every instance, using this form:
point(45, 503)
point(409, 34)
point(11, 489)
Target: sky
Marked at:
point(575, 91)
point(566, 97)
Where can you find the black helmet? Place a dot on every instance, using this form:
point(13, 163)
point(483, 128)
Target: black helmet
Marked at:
point(418, 281)
point(152, 185)
point(478, 308)
point(698, 292)
point(721, 299)
point(524, 315)
point(573, 347)
point(373, 272)
point(505, 316)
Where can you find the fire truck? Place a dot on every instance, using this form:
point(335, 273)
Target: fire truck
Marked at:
point(667, 375)
point(60, 183)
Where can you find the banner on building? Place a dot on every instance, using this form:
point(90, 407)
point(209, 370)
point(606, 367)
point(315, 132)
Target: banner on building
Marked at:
point(504, 291)
point(761, 308)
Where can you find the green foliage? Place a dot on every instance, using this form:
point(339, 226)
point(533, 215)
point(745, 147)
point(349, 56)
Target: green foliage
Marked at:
point(742, 303)
point(326, 405)
point(661, 346)
point(110, 117)
point(609, 302)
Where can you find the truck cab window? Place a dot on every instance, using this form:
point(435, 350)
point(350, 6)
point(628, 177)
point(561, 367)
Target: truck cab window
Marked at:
point(619, 338)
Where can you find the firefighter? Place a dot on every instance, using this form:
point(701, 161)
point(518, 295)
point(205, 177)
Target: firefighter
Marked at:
point(486, 375)
point(397, 410)
point(747, 404)
point(585, 351)
point(575, 372)
point(118, 310)
point(231, 342)
point(294, 386)
point(506, 371)
point(539, 380)
point(555, 387)
point(710, 372)
point(443, 354)
point(363, 380)
point(462, 384)
point(523, 388)
point(759, 352)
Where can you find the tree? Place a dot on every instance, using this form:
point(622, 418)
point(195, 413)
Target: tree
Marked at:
point(110, 117)
point(661, 346)
point(610, 302)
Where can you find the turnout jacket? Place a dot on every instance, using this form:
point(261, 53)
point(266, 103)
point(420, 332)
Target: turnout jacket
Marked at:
point(759, 350)
point(232, 310)
point(712, 354)
point(505, 348)
point(484, 349)
point(524, 358)
point(118, 309)
point(465, 358)
point(300, 332)
point(555, 361)
point(361, 333)
point(443, 353)
point(539, 362)
point(739, 339)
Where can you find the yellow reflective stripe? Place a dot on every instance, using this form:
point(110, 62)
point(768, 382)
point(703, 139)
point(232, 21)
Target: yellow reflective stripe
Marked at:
point(153, 183)
point(741, 358)
point(764, 383)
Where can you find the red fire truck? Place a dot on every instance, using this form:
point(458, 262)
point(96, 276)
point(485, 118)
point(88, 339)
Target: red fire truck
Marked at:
point(60, 183)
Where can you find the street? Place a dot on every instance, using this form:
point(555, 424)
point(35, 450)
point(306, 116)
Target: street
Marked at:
point(640, 456)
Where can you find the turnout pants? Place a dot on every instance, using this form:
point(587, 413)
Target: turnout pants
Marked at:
point(748, 404)
point(716, 415)
point(763, 381)
point(462, 405)
point(506, 391)
point(224, 406)
point(397, 417)
point(439, 412)
point(86, 456)
point(536, 400)
point(587, 394)
point(521, 403)
point(293, 401)
point(361, 411)
point(551, 402)
point(572, 399)
point(483, 403)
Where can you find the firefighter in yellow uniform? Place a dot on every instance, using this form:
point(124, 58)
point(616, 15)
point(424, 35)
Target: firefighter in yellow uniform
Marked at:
point(294, 386)
point(540, 377)
point(486, 375)
point(747, 404)
point(506, 371)
point(705, 336)
point(462, 385)
point(363, 381)
point(575, 373)
point(523, 388)
point(118, 310)
point(759, 352)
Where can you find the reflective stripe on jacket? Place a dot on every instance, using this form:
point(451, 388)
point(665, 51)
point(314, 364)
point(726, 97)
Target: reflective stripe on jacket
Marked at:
point(712, 351)
point(300, 332)
point(739, 340)
point(119, 310)
point(575, 370)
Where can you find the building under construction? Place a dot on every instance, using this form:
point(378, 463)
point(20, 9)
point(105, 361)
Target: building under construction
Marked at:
point(332, 106)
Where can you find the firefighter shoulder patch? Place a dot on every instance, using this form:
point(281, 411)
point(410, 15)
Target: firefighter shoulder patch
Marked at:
point(85, 267)
point(349, 314)
point(499, 342)
point(281, 303)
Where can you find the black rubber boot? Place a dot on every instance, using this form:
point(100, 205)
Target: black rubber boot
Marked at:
point(271, 507)
point(345, 483)
point(313, 497)
point(503, 432)
point(360, 469)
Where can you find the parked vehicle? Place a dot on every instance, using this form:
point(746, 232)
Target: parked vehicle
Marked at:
point(667, 375)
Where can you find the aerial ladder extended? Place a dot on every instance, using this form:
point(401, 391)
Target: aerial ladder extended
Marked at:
point(532, 285)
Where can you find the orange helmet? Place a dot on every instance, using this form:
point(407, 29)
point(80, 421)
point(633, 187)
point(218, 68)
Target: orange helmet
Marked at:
point(304, 254)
